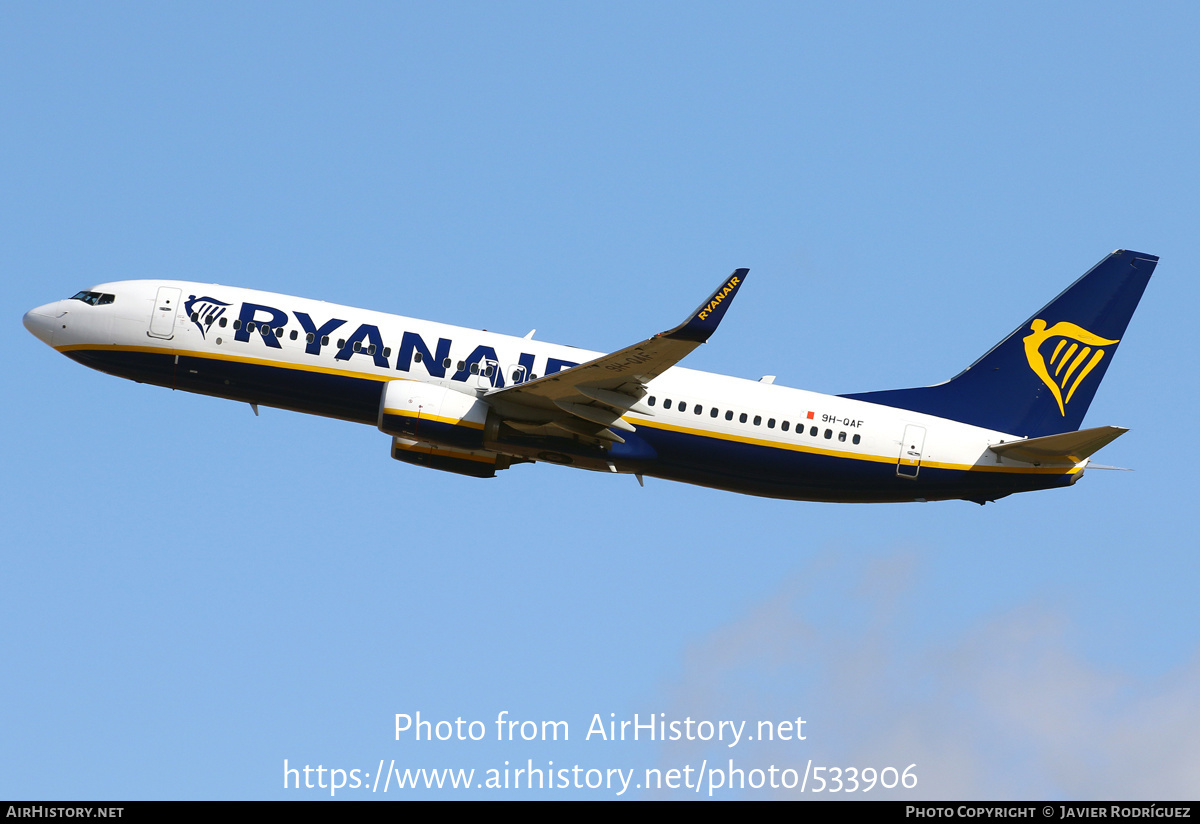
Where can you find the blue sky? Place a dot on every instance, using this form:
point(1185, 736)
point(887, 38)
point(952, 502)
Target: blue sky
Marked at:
point(194, 595)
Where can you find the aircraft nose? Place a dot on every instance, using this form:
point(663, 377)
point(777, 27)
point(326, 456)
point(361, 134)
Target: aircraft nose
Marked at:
point(40, 322)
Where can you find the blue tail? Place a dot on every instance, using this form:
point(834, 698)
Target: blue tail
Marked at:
point(1041, 379)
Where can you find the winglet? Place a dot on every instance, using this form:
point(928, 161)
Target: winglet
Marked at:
point(704, 321)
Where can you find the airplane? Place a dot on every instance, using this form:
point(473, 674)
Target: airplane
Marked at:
point(475, 402)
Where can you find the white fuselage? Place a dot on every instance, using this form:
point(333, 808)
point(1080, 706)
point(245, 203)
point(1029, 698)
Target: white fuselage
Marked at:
point(705, 428)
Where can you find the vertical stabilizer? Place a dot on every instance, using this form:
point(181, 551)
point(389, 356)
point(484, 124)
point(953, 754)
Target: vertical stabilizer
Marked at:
point(1041, 379)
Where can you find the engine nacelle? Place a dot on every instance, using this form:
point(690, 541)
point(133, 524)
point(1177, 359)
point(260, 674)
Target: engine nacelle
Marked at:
point(431, 414)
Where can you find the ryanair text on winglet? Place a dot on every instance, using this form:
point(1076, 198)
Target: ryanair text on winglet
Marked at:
point(718, 297)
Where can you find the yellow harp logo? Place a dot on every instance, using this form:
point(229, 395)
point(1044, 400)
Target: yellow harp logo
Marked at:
point(1070, 358)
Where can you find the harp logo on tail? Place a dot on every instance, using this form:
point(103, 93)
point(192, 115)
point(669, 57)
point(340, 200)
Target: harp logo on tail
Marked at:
point(1076, 353)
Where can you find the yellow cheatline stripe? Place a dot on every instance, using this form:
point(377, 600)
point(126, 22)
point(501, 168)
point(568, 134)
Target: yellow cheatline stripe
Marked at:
point(297, 367)
point(656, 424)
point(405, 413)
point(191, 353)
point(1032, 470)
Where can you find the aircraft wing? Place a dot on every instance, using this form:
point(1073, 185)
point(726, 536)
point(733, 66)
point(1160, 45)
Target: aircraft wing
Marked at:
point(589, 398)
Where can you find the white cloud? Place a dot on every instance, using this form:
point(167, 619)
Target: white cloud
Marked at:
point(1004, 708)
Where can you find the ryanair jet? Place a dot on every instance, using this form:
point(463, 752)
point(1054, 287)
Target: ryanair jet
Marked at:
point(476, 402)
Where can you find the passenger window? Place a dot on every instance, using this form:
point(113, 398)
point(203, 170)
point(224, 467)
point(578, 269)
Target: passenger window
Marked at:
point(237, 324)
point(729, 414)
point(293, 335)
point(279, 331)
point(416, 357)
point(813, 432)
point(195, 316)
point(358, 346)
point(341, 343)
point(475, 369)
point(713, 414)
point(223, 322)
point(770, 423)
point(387, 350)
point(857, 438)
point(757, 420)
point(324, 340)
point(784, 426)
point(667, 403)
point(462, 365)
point(651, 401)
point(446, 363)
point(842, 437)
point(250, 327)
point(828, 434)
point(371, 349)
point(682, 406)
point(742, 418)
point(699, 408)
point(310, 337)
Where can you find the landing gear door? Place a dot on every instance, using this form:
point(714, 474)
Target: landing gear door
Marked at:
point(911, 449)
point(162, 317)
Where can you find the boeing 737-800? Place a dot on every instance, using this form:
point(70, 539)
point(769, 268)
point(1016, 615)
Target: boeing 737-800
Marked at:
point(475, 402)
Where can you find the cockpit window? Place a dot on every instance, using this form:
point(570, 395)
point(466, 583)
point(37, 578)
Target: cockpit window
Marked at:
point(94, 298)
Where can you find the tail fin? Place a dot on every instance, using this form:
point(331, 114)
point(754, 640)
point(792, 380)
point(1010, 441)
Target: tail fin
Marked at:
point(1041, 379)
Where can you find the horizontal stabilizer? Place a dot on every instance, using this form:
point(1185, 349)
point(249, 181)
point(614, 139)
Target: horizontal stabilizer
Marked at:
point(1066, 448)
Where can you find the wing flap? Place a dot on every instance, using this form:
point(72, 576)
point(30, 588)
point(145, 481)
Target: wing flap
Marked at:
point(617, 400)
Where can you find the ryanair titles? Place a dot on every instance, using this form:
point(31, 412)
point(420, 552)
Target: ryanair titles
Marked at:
point(482, 364)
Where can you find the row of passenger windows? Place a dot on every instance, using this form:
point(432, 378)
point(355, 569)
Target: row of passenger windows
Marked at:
point(487, 370)
point(267, 331)
point(698, 409)
point(278, 332)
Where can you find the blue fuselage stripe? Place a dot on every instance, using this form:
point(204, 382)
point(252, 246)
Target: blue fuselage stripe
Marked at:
point(683, 456)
